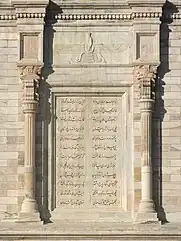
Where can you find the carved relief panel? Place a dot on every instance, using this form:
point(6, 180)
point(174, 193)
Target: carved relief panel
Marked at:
point(91, 48)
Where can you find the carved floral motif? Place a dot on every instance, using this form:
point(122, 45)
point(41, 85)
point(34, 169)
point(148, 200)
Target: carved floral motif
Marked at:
point(30, 76)
point(145, 75)
point(29, 71)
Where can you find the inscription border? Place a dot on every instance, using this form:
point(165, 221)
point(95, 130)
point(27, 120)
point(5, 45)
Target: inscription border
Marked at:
point(60, 91)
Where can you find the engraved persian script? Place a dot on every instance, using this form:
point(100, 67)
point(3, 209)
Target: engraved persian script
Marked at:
point(88, 152)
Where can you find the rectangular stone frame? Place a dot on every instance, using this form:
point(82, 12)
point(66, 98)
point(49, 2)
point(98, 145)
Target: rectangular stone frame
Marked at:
point(126, 212)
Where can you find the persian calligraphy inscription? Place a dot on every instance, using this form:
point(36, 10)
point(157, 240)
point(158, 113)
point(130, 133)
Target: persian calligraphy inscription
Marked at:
point(71, 173)
point(88, 152)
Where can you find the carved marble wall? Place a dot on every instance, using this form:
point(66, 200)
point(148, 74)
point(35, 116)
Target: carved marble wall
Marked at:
point(104, 144)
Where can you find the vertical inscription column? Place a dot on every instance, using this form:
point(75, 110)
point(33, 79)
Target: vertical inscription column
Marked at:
point(70, 174)
point(105, 119)
point(146, 74)
point(30, 79)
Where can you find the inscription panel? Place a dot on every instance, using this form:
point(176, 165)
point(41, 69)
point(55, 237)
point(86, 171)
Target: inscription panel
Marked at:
point(88, 152)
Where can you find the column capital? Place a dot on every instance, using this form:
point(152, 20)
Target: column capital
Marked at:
point(145, 75)
point(30, 75)
point(30, 69)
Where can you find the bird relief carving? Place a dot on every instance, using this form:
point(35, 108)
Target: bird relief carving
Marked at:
point(91, 54)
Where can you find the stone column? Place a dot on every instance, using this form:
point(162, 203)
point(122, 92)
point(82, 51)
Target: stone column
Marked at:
point(30, 79)
point(146, 74)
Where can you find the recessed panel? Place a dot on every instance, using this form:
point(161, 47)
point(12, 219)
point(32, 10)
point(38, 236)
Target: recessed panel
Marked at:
point(88, 153)
point(28, 46)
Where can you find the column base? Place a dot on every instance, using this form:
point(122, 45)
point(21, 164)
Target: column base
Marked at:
point(146, 213)
point(29, 205)
point(146, 206)
point(29, 211)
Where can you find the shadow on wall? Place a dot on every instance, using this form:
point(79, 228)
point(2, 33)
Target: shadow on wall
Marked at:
point(159, 111)
point(44, 117)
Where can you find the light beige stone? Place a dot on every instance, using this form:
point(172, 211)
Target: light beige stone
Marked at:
point(50, 144)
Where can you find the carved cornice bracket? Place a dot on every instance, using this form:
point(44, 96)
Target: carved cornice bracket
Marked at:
point(145, 75)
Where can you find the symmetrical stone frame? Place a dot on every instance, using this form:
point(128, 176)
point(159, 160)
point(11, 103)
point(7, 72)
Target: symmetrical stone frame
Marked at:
point(125, 211)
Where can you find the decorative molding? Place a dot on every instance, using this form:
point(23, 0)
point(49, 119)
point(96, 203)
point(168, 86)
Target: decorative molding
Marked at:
point(145, 75)
point(21, 15)
point(96, 16)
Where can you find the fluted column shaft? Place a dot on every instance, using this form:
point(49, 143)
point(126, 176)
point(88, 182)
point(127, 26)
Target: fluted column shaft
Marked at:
point(29, 203)
point(146, 204)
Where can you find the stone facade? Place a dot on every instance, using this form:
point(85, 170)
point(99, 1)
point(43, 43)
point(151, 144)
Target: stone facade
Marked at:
point(90, 116)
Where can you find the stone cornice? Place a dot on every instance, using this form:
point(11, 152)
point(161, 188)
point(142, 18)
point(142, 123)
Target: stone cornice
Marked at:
point(80, 11)
point(96, 16)
point(123, 16)
point(88, 16)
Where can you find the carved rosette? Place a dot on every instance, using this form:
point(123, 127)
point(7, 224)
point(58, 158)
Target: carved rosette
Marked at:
point(30, 76)
point(145, 75)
